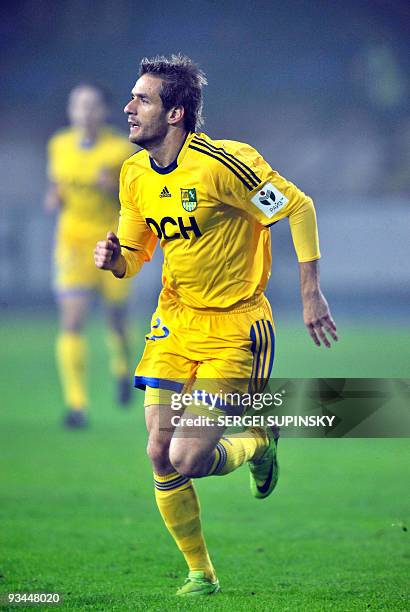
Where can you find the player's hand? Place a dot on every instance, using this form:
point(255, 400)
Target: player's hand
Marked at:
point(107, 252)
point(318, 319)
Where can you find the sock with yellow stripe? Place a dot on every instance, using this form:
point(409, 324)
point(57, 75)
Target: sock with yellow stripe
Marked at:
point(179, 507)
point(232, 451)
point(72, 360)
point(118, 352)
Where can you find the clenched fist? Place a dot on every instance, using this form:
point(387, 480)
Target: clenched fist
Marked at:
point(107, 255)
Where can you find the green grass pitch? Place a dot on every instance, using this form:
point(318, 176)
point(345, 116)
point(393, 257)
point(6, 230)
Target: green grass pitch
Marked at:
point(78, 514)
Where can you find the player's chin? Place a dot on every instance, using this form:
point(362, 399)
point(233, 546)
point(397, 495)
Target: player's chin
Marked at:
point(134, 135)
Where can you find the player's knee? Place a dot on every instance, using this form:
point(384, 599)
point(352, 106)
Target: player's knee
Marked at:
point(74, 327)
point(188, 462)
point(116, 318)
point(72, 322)
point(158, 452)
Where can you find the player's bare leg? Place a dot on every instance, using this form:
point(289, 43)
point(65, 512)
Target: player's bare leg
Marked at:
point(117, 341)
point(178, 454)
point(160, 432)
point(178, 503)
point(71, 356)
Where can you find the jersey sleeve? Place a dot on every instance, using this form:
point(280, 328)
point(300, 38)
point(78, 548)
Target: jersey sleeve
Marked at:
point(137, 240)
point(250, 184)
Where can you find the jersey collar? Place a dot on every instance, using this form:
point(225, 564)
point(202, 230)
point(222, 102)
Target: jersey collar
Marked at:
point(87, 145)
point(177, 160)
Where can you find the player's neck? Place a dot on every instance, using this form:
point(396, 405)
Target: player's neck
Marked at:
point(88, 136)
point(165, 152)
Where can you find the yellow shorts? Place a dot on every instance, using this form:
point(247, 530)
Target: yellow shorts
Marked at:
point(75, 272)
point(207, 350)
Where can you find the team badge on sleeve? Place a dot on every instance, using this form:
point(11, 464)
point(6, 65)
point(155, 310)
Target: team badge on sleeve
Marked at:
point(269, 200)
point(188, 198)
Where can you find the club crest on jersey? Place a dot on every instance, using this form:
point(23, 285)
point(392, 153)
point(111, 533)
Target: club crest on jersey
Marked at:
point(269, 200)
point(188, 199)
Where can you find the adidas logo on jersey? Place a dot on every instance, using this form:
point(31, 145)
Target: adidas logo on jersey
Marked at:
point(165, 193)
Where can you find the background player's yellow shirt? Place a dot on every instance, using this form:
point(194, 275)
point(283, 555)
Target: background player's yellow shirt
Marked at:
point(88, 211)
point(211, 210)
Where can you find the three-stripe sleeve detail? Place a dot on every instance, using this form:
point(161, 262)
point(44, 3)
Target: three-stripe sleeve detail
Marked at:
point(241, 170)
point(233, 159)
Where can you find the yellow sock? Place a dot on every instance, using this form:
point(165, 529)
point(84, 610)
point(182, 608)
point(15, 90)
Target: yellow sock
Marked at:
point(179, 508)
point(118, 352)
point(232, 451)
point(71, 360)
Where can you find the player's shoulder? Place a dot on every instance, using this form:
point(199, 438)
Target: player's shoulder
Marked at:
point(135, 165)
point(221, 145)
point(116, 143)
point(231, 158)
point(229, 153)
point(61, 136)
point(114, 135)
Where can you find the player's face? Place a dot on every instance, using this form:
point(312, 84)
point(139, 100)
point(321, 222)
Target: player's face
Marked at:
point(147, 117)
point(86, 108)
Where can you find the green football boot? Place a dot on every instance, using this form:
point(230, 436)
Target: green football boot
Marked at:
point(264, 473)
point(196, 584)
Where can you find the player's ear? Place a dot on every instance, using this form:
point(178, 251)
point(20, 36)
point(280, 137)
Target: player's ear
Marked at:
point(176, 114)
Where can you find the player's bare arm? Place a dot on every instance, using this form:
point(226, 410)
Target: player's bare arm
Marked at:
point(52, 198)
point(316, 312)
point(108, 181)
point(108, 256)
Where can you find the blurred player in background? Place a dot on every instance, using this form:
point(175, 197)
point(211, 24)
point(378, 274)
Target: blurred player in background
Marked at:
point(210, 204)
point(84, 161)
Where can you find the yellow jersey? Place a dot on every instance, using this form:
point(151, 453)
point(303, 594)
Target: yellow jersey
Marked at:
point(88, 211)
point(210, 210)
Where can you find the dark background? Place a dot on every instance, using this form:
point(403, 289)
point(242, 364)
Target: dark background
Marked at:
point(320, 88)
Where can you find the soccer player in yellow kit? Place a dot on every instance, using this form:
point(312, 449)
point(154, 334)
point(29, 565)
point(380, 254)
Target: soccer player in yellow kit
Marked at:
point(209, 203)
point(84, 162)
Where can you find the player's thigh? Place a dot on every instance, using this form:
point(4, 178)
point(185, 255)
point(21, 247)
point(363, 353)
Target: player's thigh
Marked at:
point(244, 359)
point(115, 291)
point(73, 308)
point(74, 268)
point(160, 427)
point(164, 363)
point(116, 315)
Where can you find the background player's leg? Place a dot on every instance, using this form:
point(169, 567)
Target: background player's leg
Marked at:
point(175, 495)
point(117, 341)
point(71, 355)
